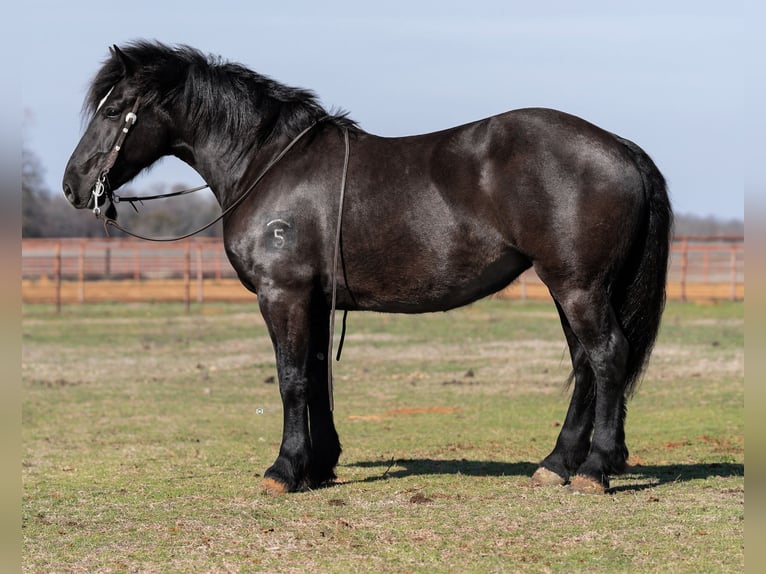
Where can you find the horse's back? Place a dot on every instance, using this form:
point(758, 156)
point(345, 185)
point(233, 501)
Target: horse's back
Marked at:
point(516, 180)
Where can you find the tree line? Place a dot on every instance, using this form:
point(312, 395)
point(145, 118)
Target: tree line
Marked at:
point(46, 214)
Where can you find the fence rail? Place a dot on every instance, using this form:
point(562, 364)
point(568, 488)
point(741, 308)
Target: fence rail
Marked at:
point(90, 270)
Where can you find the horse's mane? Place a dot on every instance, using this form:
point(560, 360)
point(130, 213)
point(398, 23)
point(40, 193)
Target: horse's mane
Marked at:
point(220, 96)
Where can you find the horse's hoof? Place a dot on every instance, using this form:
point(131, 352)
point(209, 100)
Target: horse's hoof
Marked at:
point(546, 477)
point(586, 485)
point(273, 487)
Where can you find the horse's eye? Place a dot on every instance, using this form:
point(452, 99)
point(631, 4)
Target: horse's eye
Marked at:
point(112, 112)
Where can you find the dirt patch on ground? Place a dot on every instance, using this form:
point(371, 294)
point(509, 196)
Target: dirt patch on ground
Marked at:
point(409, 411)
point(671, 362)
point(716, 322)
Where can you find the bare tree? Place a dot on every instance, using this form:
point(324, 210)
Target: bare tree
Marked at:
point(33, 195)
point(695, 225)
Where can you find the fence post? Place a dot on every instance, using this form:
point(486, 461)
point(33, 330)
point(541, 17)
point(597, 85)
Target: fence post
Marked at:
point(523, 286)
point(137, 264)
point(733, 272)
point(706, 265)
point(684, 266)
point(199, 273)
point(81, 273)
point(57, 274)
point(187, 276)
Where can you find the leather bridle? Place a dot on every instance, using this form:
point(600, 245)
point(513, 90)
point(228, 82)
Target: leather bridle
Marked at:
point(100, 187)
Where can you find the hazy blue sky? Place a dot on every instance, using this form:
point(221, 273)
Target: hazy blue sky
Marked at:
point(668, 75)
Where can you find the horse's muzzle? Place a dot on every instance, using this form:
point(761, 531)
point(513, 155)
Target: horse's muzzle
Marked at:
point(72, 197)
point(73, 192)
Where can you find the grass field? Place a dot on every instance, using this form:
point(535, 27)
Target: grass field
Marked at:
point(146, 432)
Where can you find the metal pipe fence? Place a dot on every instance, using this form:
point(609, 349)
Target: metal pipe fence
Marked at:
point(66, 271)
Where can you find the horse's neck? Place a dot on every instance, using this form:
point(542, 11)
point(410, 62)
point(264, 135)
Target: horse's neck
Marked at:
point(228, 166)
point(221, 166)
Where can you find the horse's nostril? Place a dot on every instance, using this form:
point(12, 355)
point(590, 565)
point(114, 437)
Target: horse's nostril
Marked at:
point(69, 194)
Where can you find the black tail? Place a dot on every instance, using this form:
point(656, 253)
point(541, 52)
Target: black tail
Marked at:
point(639, 293)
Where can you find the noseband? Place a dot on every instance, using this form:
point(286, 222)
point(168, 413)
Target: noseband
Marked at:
point(99, 188)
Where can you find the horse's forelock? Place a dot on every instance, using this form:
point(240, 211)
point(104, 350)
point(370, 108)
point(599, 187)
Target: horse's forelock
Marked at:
point(104, 80)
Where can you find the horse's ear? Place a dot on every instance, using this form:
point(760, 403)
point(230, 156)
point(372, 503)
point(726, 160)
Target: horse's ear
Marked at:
point(127, 64)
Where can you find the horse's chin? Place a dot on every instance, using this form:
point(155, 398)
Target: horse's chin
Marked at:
point(110, 210)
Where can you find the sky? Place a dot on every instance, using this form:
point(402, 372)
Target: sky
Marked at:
point(667, 75)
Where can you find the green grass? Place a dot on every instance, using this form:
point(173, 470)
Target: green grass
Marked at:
point(143, 447)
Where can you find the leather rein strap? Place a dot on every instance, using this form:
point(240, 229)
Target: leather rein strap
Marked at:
point(108, 222)
point(132, 199)
point(335, 276)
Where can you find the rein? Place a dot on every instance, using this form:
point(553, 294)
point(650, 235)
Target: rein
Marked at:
point(335, 277)
point(132, 199)
point(108, 222)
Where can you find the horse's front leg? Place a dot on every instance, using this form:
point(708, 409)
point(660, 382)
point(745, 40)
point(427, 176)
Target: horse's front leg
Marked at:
point(288, 317)
point(325, 446)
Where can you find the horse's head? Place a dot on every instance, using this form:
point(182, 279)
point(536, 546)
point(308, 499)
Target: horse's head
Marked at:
point(126, 133)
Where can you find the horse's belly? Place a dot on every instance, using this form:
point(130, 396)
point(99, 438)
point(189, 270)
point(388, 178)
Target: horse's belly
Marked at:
point(420, 286)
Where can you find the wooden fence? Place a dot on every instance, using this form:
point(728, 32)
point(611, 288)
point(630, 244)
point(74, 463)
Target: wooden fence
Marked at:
point(59, 271)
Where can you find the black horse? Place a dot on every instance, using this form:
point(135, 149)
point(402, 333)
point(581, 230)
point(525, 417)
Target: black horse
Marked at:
point(430, 222)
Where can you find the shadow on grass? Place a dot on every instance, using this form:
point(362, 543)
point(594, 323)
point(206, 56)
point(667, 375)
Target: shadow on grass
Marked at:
point(400, 468)
point(656, 475)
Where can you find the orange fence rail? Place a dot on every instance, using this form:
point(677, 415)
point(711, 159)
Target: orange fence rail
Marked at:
point(62, 271)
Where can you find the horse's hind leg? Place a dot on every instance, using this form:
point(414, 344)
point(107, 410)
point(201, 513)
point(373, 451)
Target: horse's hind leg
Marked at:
point(593, 322)
point(573, 442)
